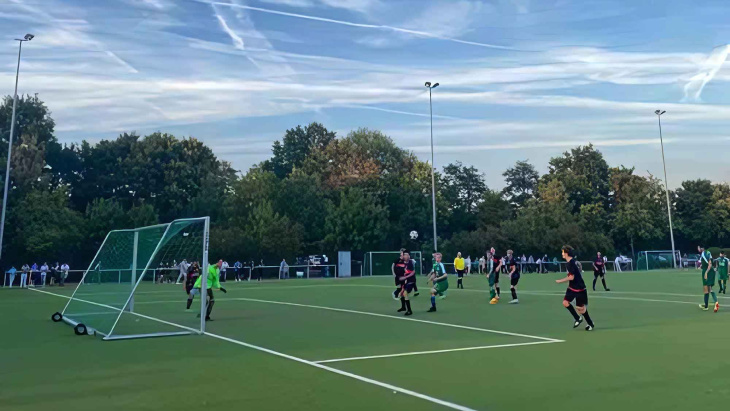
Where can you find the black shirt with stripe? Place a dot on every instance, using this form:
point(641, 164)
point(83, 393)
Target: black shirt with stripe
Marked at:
point(577, 283)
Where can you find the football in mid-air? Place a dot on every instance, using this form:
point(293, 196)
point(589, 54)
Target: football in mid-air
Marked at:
point(414, 234)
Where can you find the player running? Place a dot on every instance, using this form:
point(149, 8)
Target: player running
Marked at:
point(409, 282)
point(212, 281)
point(708, 278)
point(722, 264)
point(440, 281)
point(599, 270)
point(513, 268)
point(496, 266)
point(576, 291)
point(459, 267)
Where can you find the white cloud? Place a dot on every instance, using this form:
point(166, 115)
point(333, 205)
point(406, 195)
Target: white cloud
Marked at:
point(447, 19)
point(693, 89)
point(237, 40)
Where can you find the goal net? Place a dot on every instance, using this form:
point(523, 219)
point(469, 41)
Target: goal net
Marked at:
point(380, 262)
point(116, 297)
point(656, 260)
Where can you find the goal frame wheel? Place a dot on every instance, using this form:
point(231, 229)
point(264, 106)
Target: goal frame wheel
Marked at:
point(56, 317)
point(80, 329)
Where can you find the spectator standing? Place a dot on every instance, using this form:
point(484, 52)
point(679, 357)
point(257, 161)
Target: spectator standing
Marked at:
point(250, 270)
point(523, 263)
point(11, 273)
point(326, 261)
point(54, 273)
point(224, 268)
point(530, 264)
point(283, 269)
point(64, 273)
point(467, 264)
point(482, 264)
point(237, 266)
point(24, 276)
point(617, 263)
point(261, 270)
point(183, 267)
point(44, 272)
point(33, 274)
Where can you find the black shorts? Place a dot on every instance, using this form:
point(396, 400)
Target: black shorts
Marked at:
point(460, 273)
point(496, 277)
point(409, 287)
point(580, 297)
point(188, 288)
point(599, 273)
point(514, 280)
point(210, 294)
point(398, 282)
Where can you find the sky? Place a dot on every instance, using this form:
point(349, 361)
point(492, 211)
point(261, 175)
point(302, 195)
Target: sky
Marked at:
point(519, 79)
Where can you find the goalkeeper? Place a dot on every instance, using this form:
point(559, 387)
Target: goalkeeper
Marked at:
point(213, 281)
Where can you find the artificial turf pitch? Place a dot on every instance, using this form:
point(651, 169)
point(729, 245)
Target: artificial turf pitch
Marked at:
point(278, 345)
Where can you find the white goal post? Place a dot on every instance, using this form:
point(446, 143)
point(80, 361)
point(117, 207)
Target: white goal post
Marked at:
point(107, 300)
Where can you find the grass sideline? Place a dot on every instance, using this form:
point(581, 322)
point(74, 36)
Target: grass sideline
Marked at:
point(652, 348)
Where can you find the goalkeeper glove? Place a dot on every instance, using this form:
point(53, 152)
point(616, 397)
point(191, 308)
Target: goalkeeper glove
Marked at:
point(224, 290)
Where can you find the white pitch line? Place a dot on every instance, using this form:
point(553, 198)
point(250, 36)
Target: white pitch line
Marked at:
point(650, 300)
point(345, 373)
point(534, 337)
point(310, 363)
point(406, 354)
point(118, 310)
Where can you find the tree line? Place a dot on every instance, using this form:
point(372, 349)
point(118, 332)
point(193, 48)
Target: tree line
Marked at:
point(319, 193)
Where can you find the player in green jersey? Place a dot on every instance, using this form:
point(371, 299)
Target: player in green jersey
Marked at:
point(212, 281)
point(440, 281)
point(708, 278)
point(721, 265)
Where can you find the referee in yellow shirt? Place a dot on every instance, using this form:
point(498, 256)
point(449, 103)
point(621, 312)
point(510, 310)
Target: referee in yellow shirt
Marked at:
point(459, 266)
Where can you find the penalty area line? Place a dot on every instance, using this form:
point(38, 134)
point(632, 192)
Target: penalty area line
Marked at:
point(406, 354)
point(465, 327)
point(345, 374)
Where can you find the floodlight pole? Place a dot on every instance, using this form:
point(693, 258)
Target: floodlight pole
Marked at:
point(433, 166)
point(666, 187)
point(28, 37)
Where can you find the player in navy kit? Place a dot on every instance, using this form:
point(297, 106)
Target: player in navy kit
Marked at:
point(576, 291)
point(599, 270)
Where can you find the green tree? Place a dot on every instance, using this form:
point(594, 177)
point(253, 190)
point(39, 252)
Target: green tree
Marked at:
point(41, 226)
point(639, 210)
point(521, 183)
point(695, 219)
point(462, 188)
point(585, 175)
point(296, 145)
point(493, 210)
point(358, 222)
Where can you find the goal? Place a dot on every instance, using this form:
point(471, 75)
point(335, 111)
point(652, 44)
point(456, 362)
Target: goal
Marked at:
point(116, 297)
point(380, 262)
point(655, 260)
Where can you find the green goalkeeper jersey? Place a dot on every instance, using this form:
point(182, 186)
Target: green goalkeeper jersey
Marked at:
point(213, 280)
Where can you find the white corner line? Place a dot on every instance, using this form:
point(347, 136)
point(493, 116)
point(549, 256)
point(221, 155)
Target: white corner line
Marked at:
point(406, 354)
point(534, 337)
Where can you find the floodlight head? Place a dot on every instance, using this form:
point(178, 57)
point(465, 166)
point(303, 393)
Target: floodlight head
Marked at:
point(435, 85)
point(659, 112)
point(29, 37)
point(428, 84)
